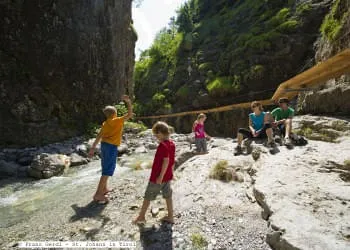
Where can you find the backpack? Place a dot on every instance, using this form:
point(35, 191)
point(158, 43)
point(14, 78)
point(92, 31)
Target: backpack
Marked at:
point(299, 140)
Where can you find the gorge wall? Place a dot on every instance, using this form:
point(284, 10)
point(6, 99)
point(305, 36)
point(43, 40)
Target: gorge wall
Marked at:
point(238, 51)
point(60, 63)
point(333, 97)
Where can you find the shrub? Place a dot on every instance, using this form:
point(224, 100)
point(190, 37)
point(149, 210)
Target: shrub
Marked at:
point(158, 98)
point(198, 241)
point(280, 17)
point(92, 129)
point(333, 22)
point(347, 164)
point(204, 67)
point(222, 86)
point(183, 92)
point(139, 126)
point(221, 171)
point(288, 26)
point(303, 8)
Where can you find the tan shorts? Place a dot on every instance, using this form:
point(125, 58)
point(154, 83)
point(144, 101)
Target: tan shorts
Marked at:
point(153, 190)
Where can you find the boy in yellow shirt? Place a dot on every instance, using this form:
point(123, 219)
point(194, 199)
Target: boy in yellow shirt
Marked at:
point(110, 137)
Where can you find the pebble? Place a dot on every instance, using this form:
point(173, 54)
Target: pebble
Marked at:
point(180, 240)
point(133, 207)
point(155, 211)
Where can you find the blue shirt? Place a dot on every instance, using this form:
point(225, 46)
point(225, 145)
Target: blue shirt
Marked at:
point(257, 120)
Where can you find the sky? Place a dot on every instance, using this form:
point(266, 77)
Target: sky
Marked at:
point(150, 18)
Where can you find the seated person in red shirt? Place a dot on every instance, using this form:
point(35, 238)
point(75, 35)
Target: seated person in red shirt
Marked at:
point(161, 175)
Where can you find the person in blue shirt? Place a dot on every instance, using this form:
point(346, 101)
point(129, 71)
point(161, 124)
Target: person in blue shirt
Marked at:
point(259, 127)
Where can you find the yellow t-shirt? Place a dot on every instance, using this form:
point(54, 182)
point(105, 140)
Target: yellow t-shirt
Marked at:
point(112, 130)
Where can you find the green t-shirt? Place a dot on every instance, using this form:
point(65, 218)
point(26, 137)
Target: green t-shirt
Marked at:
point(280, 114)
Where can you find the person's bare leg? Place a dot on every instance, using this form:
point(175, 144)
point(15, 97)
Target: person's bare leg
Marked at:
point(288, 125)
point(239, 139)
point(142, 214)
point(269, 134)
point(100, 195)
point(170, 217)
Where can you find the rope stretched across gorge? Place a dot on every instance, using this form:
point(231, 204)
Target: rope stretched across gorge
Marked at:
point(334, 67)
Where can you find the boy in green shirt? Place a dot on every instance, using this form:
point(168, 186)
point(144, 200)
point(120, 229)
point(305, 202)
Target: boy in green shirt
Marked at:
point(283, 118)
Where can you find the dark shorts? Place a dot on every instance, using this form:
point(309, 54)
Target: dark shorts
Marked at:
point(248, 134)
point(109, 154)
point(153, 190)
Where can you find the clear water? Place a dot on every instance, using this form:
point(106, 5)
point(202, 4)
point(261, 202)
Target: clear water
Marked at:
point(21, 198)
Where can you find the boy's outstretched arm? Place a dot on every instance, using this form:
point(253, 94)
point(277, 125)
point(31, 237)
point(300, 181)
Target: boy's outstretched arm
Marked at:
point(162, 172)
point(97, 140)
point(130, 114)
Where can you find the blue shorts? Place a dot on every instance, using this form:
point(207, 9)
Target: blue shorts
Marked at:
point(109, 154)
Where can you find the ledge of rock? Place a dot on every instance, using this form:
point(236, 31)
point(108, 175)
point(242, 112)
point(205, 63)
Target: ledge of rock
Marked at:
point(305, 192)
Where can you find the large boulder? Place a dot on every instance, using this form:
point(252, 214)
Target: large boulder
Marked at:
point(60, 63)
point(8, 169)
point(77, 160)
point(45, 166)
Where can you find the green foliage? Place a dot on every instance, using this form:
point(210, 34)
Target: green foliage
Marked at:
point(158, 98)
point(139, 126)
point(347, 164)
point(121, 109)
point(280, 17)
point(288, 26)
point(204, 67)
point(198, 241)
point(183, 92)
point(223, 86)
point(229, 44)
point(303, 8)
point(334, 21)
point(92, 130)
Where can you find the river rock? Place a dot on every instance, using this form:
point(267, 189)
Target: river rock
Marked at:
point(82, 150)
point(152, 146)
point(140, 150)
point(8, 168)
point(155, 211)
point(77, 160)
point(25, 160)
point(48, 165)
point(122, 149)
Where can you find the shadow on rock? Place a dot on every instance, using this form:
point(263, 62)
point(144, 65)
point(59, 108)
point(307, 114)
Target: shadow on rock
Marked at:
point(153, 237)
point(91, 210)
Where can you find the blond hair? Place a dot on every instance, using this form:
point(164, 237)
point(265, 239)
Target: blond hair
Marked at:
point(161, 128)
point(200, 116)
point(109, 111)
point(257, 104)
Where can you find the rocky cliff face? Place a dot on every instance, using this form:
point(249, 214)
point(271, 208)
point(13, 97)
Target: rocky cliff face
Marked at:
point(334, 95)
point(60, 63)
point(238, 51)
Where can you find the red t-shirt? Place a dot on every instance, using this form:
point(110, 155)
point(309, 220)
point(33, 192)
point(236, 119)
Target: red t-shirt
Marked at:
point(166, 149)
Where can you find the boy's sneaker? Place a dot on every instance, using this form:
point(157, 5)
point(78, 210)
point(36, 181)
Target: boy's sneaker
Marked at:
point(238, 150)
point(288, 142)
